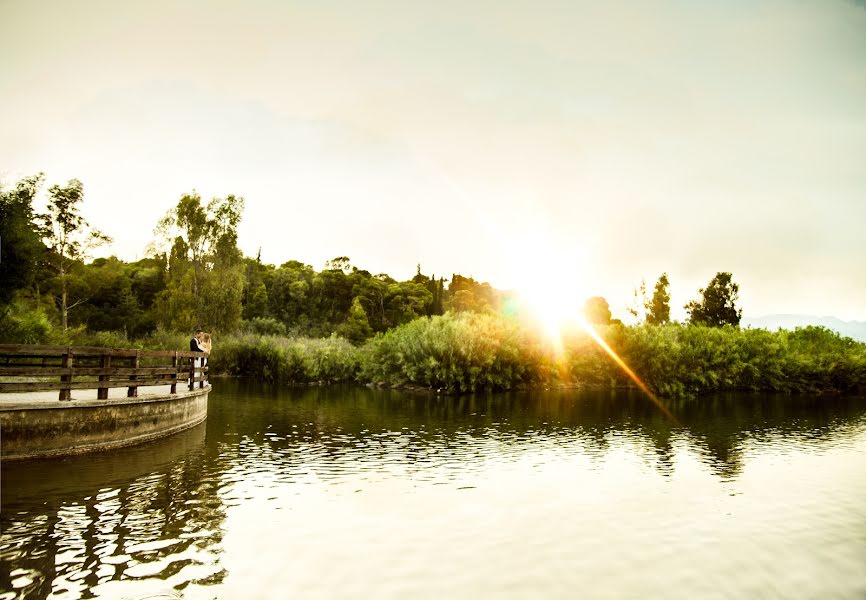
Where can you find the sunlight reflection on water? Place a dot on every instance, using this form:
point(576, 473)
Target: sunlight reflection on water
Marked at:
point(329, 492)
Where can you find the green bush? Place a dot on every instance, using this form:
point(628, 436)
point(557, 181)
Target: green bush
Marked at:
point(264, 326)
point(31, 327)
point(461, 352)
point(678, 361)
point(286, 360)
point(80, 336)
point(163, 339)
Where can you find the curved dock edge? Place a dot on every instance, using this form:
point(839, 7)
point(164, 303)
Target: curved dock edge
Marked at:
point(39, 428)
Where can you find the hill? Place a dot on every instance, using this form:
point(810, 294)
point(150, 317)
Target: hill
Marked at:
point(852, 329)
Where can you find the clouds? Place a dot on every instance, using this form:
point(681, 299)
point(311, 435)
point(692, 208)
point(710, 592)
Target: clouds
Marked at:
point(653, 136)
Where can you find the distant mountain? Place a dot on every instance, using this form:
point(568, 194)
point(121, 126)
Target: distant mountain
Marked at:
point(852, 329)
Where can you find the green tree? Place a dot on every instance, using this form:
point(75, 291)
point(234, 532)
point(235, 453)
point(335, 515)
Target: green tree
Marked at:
point(717, 304)
point(21, 247)
point(148, 278)
point(205, 267)
point(255, 296)
point(70, 239)
point(289, 295)
point(332, 292)
point(597, 311)
point(111, 304)
point(640, 303)
point(340, 263)
point(437, 307)
point(467, 295)
point(356, 328)
point(371, 290)
point(658, 308)
point(406, 301)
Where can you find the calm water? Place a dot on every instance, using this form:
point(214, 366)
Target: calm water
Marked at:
point(347, 492)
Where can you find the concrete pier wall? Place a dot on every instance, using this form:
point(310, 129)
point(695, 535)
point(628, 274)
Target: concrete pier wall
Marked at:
point(35, 427)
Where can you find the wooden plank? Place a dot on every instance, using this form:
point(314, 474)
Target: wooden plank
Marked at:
point(28, 386)
point(32, 350)
point(85, 371)
point(56, 361)
point(17, 350)
point(169, 353)
point(80, 385)
point(28, 350)
point(97, 351)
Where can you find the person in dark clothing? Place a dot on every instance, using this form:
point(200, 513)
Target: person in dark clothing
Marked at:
point(195, 342)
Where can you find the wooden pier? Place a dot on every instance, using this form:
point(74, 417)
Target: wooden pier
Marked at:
point(36, 422)
point(67, 368)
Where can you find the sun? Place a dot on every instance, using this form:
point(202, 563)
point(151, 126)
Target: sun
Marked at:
point(550, 280)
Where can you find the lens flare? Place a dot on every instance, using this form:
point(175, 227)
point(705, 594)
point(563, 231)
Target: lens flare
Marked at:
point(626, 369)
point(550, 278)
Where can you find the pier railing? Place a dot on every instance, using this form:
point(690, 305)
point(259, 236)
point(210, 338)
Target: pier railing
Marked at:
point(26, 368)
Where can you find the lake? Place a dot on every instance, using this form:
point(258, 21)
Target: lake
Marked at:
point(325, 492)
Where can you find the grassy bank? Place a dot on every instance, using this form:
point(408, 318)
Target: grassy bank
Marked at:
point(467, 352)
point(472, 352)
point(677, 361)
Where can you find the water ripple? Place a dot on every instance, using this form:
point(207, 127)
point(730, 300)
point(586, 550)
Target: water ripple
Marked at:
point(350, 492)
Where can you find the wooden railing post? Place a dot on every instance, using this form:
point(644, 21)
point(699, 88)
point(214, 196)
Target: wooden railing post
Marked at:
point(201, 374)
point(191, 374)
point(105, 363)
point(174, 375)
point(132, 392)
point(66, 364)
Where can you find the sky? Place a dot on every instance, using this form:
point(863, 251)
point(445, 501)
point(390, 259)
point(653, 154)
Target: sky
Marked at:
point(595, 142)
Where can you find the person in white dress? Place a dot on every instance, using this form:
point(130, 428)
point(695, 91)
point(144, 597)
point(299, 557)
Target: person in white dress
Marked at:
point(195, 345)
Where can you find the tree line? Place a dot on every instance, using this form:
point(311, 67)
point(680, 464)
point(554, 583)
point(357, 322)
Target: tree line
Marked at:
point(196, 276)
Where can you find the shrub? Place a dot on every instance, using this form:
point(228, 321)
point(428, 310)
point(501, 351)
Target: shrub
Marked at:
point(461, 352)
point(264, 326)
point(286, 360)
point(32, 327)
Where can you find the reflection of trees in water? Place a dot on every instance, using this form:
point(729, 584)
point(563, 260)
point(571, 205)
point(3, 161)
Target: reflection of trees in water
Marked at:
point(153, 510)
point(72, 524)
point(721, 425)
point(336, 420)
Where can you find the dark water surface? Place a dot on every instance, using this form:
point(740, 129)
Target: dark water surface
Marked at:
point(349, 492)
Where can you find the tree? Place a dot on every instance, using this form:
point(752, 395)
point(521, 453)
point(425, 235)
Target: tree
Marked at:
point(406, 301)
point(597, 311)
point(21, 247)
point(111, 303)
point(340, 263)
point(466, 294)
point(639, 305)
point(659, 307)
point(289, 295)
point(356, 328)
point(205, 266)
point(717, 305)
point(255, 295)
point(69, 238)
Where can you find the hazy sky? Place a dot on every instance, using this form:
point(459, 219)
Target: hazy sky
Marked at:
point(610, 140)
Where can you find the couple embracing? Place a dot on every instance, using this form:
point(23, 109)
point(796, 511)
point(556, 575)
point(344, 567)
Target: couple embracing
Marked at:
point(200, 342)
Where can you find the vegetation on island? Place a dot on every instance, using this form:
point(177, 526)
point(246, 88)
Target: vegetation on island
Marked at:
point(293, 324)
